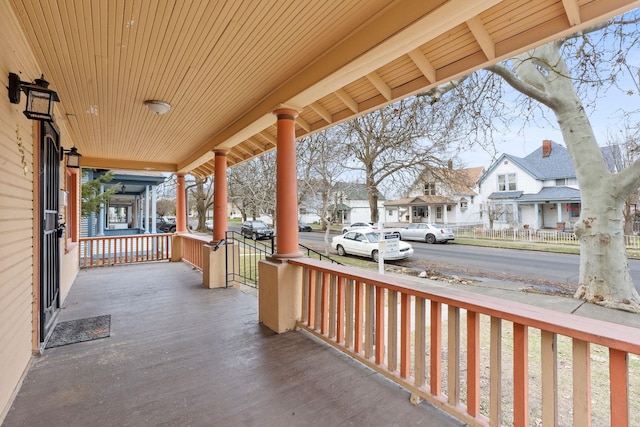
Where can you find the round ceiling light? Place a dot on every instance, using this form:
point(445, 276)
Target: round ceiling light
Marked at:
point(158, 107)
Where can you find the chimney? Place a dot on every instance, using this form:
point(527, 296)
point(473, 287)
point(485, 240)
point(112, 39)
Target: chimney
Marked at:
point(450, 164)
point(546, 148)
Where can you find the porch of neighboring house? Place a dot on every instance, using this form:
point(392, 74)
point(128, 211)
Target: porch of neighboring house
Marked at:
point(181, 354)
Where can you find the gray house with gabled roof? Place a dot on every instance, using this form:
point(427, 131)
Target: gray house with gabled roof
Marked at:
point(537, 191)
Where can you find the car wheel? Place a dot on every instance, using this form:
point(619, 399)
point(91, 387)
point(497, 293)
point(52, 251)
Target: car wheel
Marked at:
point(374, 256)
point(430, 238)
point(344, 230)
point(254, 236)
point(341, 251)
point(172, 230)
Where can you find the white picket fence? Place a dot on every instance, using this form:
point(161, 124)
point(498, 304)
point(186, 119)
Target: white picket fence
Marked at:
point(536, 236)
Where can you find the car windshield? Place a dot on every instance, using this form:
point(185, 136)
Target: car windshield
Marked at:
point(259, 225)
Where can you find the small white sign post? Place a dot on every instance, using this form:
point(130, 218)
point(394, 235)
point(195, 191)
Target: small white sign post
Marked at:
point(388, 245)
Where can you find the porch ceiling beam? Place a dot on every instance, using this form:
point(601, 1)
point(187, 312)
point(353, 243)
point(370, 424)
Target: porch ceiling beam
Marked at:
point(483, 37)
point(348, 101)
point(572, 9)
point(95, 163)
point(379, 84)
point(322, 112)
point(303, 123)
point(266, 135)
point(423, 65)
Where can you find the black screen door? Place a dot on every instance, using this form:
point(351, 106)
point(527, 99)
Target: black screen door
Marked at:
point(49, 244)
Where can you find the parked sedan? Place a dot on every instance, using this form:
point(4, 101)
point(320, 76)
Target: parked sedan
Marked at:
point(365, 243)
point(359, 226)
point(430, 233)
point(256, 230)
point(209, 224)
point(303, 226)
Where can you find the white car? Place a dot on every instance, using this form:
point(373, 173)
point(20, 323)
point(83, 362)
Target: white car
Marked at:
point(209, 224)
point(430, 233)
point(365, 243)
point(359, 226)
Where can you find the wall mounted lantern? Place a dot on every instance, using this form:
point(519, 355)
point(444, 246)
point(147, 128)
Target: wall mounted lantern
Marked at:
point(40, 99)
point(73, 158)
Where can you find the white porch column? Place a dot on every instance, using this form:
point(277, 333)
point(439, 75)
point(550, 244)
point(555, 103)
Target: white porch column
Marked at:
point(101, 216)
point(516, 214)
point(559, 209)
point(153, 209)
point(146, 210)
point(445, 216)
point(429, 213)
point(536, 213)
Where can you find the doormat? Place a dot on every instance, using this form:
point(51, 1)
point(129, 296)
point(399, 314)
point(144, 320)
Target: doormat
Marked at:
point(73, 331)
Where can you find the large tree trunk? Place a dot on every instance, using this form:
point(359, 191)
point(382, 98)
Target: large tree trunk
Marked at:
point(604, 272)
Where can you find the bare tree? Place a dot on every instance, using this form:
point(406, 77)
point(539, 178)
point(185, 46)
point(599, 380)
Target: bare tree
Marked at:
point(396, 142)
point(252, 186)
point(320, 166)
point(567, 76)
point(200, 193)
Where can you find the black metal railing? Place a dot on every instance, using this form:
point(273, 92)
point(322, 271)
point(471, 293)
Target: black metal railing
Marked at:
point(243, 268)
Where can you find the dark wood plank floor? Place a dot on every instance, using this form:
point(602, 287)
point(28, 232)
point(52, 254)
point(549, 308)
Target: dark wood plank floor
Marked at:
point(183, 355)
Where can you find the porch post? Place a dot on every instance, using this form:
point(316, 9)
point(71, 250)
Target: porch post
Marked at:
point(445, 216)
point(181, 206)
point(280, 296)
point(146, 209)
point(220, 196)
point(286, 185)
point(153, 209)
point(559, 209)
point(536, 212)
point(101, 216)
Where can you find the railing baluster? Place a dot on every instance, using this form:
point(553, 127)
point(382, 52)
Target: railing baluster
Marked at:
point(340, 309)
point(453, 349)
point(324, 304)
point(312, 299)
point(333, 309)
point(306, 274)
point(369, 308)
point(435, 377)
point(495, 369)
point(473, 363)
point(520, 375)
point(319, 300)
point(392, 331)
point(581, 383)
point(420, 343)
point(549, 365)
point(619, 387)
point(405, 335)
point(349, 314)
point(357, 345)
point(379, 325)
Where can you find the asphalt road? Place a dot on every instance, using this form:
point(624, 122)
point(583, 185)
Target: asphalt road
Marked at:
point(496, 263)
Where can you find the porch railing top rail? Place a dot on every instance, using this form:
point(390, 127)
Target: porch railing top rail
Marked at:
point(612, 335)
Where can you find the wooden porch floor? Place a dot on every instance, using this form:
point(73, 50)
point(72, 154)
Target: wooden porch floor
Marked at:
point(183, 355)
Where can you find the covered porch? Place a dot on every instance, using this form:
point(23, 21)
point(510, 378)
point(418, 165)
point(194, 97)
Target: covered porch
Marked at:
point(181, 354)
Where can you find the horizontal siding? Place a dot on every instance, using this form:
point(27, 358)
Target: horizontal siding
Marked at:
point(16, 213)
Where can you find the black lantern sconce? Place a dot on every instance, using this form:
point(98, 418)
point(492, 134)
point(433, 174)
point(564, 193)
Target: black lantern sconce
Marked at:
point(73, 157)
point(40, 99)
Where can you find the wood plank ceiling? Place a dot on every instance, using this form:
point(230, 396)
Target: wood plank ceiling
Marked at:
point(224, 66)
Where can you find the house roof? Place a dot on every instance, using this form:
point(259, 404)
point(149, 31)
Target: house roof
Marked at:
point(420, 201)
point(552, 194)
point(504, 195)
point(354, 191)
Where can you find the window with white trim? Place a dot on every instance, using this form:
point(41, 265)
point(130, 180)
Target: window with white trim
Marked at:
point(507, 182)
point(430, 189)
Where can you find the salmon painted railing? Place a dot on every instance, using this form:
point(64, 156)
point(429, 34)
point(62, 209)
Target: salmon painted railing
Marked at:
point(192, 249)
point(115, 250)
point(487, 361)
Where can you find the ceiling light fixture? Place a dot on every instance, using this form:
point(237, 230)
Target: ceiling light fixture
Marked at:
point(158, 107)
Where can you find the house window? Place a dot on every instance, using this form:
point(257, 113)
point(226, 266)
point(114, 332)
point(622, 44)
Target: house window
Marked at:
point(560, 182)
point(463, 206)
point(430, 189)
point(507, 182)
point(438, 212)
point(574, 209)
point(471, 199)
point(72, 212)
point(389, 212)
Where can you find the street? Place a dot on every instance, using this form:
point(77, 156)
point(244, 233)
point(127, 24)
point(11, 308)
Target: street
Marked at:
point(495, 263)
